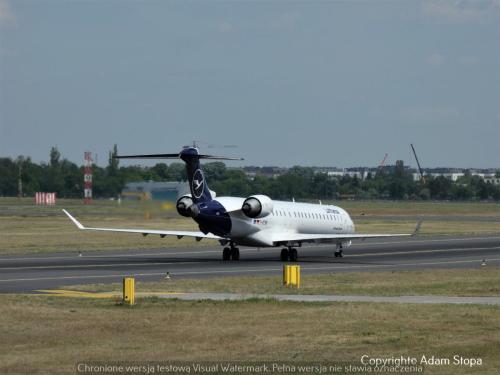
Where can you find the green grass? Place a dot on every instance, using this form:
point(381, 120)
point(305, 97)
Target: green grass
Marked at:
point(47, 335)
point(483, 281)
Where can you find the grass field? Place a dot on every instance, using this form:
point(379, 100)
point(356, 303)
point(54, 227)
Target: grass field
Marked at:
point(47, 335)
point(25, 228)
point(462, 282)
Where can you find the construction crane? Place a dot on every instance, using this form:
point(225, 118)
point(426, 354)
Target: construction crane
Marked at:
point(382, 163)
point(422, 177)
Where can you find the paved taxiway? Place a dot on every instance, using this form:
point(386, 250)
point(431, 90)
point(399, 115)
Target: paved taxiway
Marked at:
point(53, 270)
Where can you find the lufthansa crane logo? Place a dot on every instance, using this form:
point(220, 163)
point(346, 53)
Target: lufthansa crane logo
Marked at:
point(198, 184)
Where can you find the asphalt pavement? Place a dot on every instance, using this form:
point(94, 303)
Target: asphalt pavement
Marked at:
point(26, 273)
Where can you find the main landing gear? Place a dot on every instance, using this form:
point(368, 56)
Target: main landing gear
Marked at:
point(339, 253)
point(288, 254)
point(231, 253)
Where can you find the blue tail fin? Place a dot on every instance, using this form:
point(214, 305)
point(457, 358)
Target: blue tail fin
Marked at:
point(197, 183)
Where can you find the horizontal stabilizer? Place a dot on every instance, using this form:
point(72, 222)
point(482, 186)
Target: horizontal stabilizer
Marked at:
point(172, 156)
point(148, 156)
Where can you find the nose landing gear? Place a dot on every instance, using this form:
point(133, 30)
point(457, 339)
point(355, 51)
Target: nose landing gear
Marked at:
point(231, 253)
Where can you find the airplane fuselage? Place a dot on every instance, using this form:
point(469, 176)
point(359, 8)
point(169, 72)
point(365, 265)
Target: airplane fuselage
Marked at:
point(223, 217)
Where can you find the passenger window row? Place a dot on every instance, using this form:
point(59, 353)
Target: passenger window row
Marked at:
point(305, 215)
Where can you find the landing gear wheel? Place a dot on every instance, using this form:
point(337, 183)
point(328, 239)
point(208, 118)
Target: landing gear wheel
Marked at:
point(293, 255)
point(284, 255)
point(338, 254)
point(226, 253)
point(235, 253)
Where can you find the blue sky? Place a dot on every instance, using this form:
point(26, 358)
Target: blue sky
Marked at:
point(332, 83)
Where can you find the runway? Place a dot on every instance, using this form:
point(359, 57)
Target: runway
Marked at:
point(53, 270)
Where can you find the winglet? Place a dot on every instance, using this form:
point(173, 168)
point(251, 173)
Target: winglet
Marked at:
point(77, 223)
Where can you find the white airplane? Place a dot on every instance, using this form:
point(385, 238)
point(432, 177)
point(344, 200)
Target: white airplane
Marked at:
point(255, 221)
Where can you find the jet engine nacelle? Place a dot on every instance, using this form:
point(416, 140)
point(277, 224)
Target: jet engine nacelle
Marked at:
point(257, 206)
point(183, 205)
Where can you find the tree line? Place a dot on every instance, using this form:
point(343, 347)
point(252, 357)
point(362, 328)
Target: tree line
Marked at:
point(302, 183)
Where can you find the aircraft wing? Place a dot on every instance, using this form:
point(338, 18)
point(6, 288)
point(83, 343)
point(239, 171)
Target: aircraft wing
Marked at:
point(295, 237)
point(145, 232)
point(304, 237)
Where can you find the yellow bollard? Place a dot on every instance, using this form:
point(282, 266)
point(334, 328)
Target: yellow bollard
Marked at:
point(297, 276)
point(129, 290)
point(291, 276)
point(286, 275)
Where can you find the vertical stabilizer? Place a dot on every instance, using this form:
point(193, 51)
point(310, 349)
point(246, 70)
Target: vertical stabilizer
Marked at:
point(197, 183)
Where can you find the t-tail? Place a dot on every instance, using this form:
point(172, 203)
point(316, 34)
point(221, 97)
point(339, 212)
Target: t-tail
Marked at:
point(200, 192)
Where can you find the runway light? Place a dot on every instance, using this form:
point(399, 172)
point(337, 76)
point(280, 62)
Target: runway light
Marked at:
point(167, 275)
point(80, 254)
point(483, 263)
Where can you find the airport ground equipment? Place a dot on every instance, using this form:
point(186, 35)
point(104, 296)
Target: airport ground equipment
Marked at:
point(291, 275)
point(129, 291)
point(46, 199)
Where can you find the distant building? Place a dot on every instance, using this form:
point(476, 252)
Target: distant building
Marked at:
point(492, 180)
point(153, 190)
point(351, 172)
point(338, 173)
point(271, 172)
point(453, 176)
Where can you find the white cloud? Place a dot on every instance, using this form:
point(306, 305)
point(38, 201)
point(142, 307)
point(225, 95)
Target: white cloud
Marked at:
point(6, 14)
point(461, 11)
point(435, 59)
